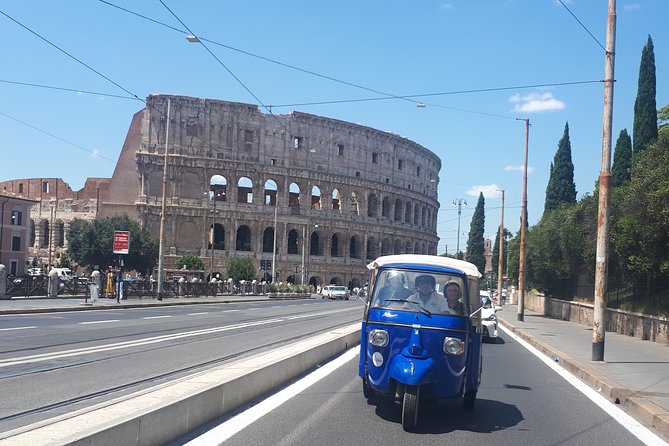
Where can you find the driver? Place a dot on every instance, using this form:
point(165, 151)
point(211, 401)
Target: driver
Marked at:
point(395, 288)
point(426, 296)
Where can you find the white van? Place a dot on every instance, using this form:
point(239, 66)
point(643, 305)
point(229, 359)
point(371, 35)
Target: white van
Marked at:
point(64, 274)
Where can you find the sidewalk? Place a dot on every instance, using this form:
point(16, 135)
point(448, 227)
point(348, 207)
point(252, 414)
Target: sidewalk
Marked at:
point(634, 373)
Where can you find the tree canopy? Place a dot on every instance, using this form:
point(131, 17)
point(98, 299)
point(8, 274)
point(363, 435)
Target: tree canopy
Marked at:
point(90, 243)
point(622, 160)
point(645, 108)
point(561, 188)
point(241, 268)
point(475, 244)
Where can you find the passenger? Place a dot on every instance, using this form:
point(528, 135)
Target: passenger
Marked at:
point(395, 287)
point(453, 298)
point(426, 296)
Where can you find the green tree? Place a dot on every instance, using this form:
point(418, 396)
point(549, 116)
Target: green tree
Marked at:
point(495, 251)
point(645, 109)
point(622, 160)
point(640, 233)
point(191, 262)
point(475, 244)
point(663, 117)
point(561, 187)
point(241, 268)
point(91, 243)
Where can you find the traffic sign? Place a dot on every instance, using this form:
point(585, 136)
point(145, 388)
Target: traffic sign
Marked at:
point(121, 242)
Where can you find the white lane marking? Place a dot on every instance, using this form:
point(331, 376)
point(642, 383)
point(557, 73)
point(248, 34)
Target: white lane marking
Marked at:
point(617, 414)
point(156, 317)
point(99, 322)
point(232, 311)
point(225, 430)
point(17, 328)
point(198, 314)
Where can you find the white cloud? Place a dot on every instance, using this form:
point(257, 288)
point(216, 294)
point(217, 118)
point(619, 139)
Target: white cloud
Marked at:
point(489, 191)
point(536, 102)
point(631, 6)
point(447, 6)
point(95, 153)
point(510, 168)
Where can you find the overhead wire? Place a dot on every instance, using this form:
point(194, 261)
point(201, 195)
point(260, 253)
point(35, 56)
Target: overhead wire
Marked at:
point(583, 26)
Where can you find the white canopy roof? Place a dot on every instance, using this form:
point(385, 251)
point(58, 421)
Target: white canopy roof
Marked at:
point(444, 262)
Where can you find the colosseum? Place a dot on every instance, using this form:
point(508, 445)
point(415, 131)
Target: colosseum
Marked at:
point(310, 199)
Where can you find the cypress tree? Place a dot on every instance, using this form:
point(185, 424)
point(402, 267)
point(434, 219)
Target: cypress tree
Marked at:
point(645, 109)
point(622, 160)
point(475, 245)
point(561, 188)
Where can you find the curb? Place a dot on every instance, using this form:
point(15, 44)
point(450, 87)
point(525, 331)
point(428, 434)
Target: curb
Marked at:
point(162, 414)
point(646, 412)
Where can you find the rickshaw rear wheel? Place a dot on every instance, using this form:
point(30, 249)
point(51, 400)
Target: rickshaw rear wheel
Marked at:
point(469, 399)
point(410, 408)
point(367, 391)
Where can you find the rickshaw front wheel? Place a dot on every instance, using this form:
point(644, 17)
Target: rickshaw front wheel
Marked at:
point(410, 408)
point(367, 391)
point(469, 399)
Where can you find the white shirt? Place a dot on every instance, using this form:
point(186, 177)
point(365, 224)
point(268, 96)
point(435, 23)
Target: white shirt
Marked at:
point(435, 303)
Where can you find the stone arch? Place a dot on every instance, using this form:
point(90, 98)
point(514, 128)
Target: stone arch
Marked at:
point(59, 233)
point(271, 191)
point(407, 213)
point(407, 247)
point(243, 239)
point(416, 214)
point(292, 242)
point(32, 232)
point(316, 203)
point(385, 246)
point(385, 207)
point(397, 248)
point(336, 201)
point(372, 205)
point(245, 190)
point(398, 210)
point(218, 188)
point(217, 236)
point(315, 245)
point(423, 217)
point(416, 247)
point(44, 233)
point(355, 205)
point(294, 195)
point(372, 248)
point(355, 247)
point(335, 248)
point(268, 239)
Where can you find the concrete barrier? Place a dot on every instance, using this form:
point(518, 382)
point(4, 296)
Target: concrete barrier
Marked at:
point(161, 414)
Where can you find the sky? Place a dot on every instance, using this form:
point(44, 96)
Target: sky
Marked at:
point(479, 67)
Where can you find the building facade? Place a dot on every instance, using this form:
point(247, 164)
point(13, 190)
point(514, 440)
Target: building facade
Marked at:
point(308, 198)
point(14, 233)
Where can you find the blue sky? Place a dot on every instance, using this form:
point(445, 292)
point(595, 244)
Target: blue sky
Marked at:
point(475, 62)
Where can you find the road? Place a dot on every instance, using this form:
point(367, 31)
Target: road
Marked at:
point(521, 401)
point(54, 363)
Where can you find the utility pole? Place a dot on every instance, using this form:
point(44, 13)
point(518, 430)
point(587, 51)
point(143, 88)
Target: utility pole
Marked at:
point(501, 251)
point(459, 202)
point(601, 256)
point(304, 250)
point(161, 240)
point(523, 218)
point(276, 209)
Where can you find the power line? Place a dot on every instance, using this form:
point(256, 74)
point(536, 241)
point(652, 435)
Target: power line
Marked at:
point(582, 25)
point(74, 90)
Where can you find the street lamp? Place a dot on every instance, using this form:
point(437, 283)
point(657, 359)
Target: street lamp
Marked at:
point(217, 190)
point(501, 251)
point(459, 202)
point(163, 207)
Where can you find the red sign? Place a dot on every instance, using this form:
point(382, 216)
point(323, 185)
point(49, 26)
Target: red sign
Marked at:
point(121, 242)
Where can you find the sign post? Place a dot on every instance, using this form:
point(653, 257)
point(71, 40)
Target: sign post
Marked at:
point(121, 242)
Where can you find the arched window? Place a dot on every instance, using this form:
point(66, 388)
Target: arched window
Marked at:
point(294, 195)
point(244, 190)
point(243, 239)
point(316, 198)
point(372, 205)
point(292, 242)
point(385, 207)
point(336, 202)
point(354, 247)
point(398, 210)
point(270, 193)
point(268, 240)
point(335, 251)
point(372, 248)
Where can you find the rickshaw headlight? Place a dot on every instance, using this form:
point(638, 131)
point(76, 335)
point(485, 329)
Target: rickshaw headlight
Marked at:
point(378, 338)
point(454, 346)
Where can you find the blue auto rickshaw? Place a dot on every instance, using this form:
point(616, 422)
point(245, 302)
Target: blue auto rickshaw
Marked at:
point(421, 332)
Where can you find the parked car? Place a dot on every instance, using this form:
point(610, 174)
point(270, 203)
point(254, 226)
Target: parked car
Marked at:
point(488, 317)
point(64, 274)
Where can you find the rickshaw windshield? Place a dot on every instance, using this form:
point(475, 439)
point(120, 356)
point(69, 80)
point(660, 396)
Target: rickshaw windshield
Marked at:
point(420, 291)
